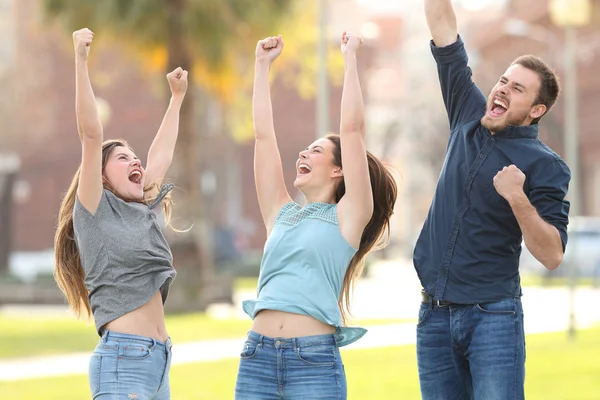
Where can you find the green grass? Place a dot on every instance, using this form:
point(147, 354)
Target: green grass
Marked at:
point(23, 336)
point(554, 281)
point(556, 370)
point(245, 284)
point(27, 336)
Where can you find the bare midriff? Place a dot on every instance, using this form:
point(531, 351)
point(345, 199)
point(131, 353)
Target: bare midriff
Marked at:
point(282, 324)
point(148, 320)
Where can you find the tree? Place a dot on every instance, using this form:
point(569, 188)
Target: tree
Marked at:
point(297, 69)
point(9, 161)
point(204, 37)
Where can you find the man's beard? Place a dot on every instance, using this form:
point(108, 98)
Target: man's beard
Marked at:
point(499, 124)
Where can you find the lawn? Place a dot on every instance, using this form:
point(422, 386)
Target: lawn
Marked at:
point(23, 336)
point(555, 281)
point(556, 370)
point(26, 336)
point(248, 283)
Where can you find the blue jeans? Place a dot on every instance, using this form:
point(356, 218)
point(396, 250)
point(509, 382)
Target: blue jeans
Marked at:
point(301, 368)
point(471, 351)
point(130, 367)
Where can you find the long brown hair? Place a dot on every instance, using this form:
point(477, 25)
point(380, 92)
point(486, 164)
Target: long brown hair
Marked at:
point(377, 232)
point(68, 271)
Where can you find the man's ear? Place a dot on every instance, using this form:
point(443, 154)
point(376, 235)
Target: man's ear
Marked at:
point(537, 111)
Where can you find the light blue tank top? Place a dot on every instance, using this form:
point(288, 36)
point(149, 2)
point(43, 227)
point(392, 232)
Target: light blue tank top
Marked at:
point(303, 267)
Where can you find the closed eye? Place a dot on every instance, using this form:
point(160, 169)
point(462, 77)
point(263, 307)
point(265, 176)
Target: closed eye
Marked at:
point(123, 156)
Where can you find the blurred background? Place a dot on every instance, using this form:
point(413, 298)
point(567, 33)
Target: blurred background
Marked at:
point(44, 351)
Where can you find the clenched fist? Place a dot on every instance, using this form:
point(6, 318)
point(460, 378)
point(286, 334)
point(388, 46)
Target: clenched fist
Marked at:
point(269, 49)
point(350, 43)
point(509, 182)
point(82, 40)
point(178, 81)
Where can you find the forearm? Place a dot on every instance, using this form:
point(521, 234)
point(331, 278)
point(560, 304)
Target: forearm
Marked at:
point(352, 117)
point(163, 145)
point(262, 108)
point(441, 20)
point(541, 238)
point(88, 120)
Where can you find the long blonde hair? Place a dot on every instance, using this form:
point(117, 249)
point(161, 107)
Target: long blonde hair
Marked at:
point(68, 271)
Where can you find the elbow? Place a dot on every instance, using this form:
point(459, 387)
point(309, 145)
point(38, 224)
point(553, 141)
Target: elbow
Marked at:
point(351, 128)
point(263, 133)
point(164, 163)
point(89, 127)
point(554, 262)
point(167, 163)
point(91, 134)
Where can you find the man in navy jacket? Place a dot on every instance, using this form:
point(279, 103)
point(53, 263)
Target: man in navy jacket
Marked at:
point(499, 185)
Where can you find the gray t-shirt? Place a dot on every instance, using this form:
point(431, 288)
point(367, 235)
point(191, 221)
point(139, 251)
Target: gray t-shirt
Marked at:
point(124, 254)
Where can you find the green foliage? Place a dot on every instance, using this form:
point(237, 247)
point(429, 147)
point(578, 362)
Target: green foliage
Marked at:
point(212, 33)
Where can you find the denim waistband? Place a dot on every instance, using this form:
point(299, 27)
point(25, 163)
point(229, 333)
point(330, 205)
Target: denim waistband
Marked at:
point(293, 343)
point(127, 337)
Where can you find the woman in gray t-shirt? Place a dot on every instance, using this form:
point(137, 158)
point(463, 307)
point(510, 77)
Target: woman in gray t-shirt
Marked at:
point(112, 259)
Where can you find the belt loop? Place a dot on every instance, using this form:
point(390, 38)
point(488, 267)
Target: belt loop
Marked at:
point(294, 344)
point(153, 343)
point(337, 336)
point(105, 336)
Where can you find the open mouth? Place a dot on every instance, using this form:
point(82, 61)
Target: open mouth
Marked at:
point(304, 169)
point(135, 176)
point(498, 108)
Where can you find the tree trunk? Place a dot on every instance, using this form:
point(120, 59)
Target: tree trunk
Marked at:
point(192, 250)
point(7, 179)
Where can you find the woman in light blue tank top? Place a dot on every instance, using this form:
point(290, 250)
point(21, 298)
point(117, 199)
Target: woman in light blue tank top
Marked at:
point(111, 258)
point(313, 253)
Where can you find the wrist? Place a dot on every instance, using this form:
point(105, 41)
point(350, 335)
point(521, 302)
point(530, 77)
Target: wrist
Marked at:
point(177, 98)
point(517, 198)
point(350, 56)
point(264, 64)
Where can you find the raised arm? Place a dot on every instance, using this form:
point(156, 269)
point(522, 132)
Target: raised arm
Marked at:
point(355, 209)
point(268, 171)
point(161, 151)
point(441, 21)
point(463, 100)
point(89, 127)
